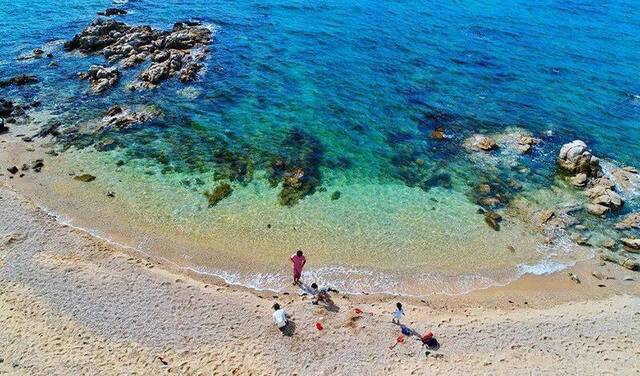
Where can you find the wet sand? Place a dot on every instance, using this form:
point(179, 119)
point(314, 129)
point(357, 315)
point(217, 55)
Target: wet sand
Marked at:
point(72, 303)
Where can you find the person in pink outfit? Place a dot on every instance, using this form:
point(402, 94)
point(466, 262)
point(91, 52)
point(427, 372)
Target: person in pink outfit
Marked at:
point(298, 261)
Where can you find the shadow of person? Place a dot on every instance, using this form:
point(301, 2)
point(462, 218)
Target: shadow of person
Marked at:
point(289, 329)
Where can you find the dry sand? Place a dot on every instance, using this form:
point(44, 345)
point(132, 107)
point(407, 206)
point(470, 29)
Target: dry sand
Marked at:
point(73, 304)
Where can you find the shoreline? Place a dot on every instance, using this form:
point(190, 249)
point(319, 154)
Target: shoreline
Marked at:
point(52, 182)
point(58, 284)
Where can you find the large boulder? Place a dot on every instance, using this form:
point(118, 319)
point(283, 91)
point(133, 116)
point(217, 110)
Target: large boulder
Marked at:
point(101, 78)
point(626, 178)
point(575, 158)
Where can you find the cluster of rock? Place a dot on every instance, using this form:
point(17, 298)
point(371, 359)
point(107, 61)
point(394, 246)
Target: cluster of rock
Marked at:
point(35, 54)
point(576, 160)
point(176, 53)
point(479, 142)
point(517, 140)
point(101, 78)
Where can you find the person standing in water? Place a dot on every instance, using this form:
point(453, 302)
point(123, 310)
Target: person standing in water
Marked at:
point(298, 261)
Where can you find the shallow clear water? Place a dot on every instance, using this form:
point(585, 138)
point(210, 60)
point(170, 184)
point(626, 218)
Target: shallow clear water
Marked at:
point(351, 90)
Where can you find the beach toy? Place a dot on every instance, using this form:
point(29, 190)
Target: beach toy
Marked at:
point(400, 339)
point(319, 325)
point(426, 336)
point(405, 330)
point(358, 311)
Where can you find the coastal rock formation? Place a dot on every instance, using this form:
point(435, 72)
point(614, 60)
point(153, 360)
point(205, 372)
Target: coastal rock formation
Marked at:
point(621, 260)
point(101, 78)
point(118, 118)
point(176, 53)
point(603, 197)
point(438, 134)
point(575, 158)
point(480, 143)
point(626, 178)
point(631, 221)
point(19, 80)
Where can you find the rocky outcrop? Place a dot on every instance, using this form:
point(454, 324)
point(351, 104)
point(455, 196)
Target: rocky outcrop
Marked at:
point(118, 118)
point(101, 78)
point(19, 80)
point(604, 199)
point(575, 158)
point(176, 53)
point(631, 221)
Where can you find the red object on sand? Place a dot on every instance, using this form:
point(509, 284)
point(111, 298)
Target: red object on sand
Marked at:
point(358, 311)
point(319, 325)
point(426, 336)
point(400, 339)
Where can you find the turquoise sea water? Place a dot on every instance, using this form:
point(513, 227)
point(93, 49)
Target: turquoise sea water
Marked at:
point(353, 89)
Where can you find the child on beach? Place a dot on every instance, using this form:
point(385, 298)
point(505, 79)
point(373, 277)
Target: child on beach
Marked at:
point(298, 261)
point(321, 293)
point(397, 314)
point(280, 317)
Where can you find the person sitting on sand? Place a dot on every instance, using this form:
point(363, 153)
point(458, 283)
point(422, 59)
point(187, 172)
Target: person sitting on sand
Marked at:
point(321, 293)
point(298, 261)
point(397, 314)
point(280, 317)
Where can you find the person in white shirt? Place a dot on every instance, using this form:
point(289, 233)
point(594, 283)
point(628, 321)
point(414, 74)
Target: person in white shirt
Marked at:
point(280, 317)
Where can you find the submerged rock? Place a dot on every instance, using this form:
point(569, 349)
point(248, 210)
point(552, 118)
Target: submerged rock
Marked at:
point(335, 195)
point(118, 118)
point(438, 134)
point(19, 80)
point(492, 219)
point(113, 12)
point(220, 193)
point(575, 158)
point(84, 178)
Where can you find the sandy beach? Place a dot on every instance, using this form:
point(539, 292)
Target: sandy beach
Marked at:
point(73, 304)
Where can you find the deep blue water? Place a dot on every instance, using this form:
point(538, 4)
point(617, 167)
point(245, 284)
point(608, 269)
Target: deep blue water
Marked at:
point(352, 72)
